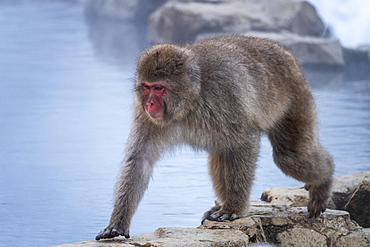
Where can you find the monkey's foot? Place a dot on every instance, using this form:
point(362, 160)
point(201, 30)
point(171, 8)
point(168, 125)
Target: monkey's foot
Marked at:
point(315, 208)
point(319, 195)
point(217, 213)
point(110, 232)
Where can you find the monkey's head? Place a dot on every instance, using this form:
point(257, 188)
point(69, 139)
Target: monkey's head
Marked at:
point(167, 82)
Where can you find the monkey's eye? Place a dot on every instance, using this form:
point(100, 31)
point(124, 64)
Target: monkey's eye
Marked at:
point(145, 86)
point(158, 88)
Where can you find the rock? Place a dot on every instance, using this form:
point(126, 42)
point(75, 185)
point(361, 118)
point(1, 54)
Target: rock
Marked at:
point(358, 204)
point(288, 196)
point(355, 239)
point(265, 223)
point(291, 227)
point(299, 237)
point(344, 186)
point(173, 236)
point(350, 193)
point(182, 21)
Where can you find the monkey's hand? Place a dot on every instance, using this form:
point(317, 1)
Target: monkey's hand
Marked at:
point(111, 232)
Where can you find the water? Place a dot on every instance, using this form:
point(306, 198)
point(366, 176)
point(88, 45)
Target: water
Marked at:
point(65, 110)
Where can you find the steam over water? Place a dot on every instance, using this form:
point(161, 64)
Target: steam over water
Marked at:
point(348, 19)
point(65, 112)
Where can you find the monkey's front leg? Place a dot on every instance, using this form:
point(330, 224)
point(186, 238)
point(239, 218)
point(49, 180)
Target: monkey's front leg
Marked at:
point(131, 184)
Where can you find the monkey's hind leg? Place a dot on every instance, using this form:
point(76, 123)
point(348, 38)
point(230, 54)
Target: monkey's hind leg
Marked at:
point(319, 193)
point(298, 153)
point(320, 188)
point(232, 175)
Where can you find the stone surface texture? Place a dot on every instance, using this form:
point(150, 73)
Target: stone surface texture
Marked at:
point(265, 223)
point(288, 196)
point(358, 204)
point(350, 193)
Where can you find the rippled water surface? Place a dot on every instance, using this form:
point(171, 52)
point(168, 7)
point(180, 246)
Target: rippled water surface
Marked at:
point(65, 112)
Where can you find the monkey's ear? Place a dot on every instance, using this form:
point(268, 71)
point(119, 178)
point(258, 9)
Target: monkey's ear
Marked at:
point(190, 72)
point(193, 75)
point(192, 69)
point(156, 54)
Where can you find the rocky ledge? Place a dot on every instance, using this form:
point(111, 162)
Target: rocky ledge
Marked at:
point(280, 220)
point(350, 193)
point(266, 223)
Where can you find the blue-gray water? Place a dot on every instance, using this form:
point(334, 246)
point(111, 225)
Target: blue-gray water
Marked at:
point(65, 112)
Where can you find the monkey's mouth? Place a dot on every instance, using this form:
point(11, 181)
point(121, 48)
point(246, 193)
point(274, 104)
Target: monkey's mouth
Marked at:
point(156, 115)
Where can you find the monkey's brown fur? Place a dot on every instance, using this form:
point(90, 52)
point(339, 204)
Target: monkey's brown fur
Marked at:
point(222, 94)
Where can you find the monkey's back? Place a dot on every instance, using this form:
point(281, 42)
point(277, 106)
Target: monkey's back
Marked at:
point(264, 75)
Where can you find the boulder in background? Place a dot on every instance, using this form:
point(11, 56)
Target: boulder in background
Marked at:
point(183, 21)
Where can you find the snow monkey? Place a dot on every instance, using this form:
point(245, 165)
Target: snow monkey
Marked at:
point(219, 96)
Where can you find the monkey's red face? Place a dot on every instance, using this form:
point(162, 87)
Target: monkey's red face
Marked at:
point(154, 92)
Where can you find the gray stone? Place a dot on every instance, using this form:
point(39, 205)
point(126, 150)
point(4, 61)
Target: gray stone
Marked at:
point(301, 237)
point(288, 196)
point(350, 193)
point(182, 21)
point(264, 223)
point(358, 238)
point(291, 227)
point(173, 237)
point(358, 204)
point(344, 186)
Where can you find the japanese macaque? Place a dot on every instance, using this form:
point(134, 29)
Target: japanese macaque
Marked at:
point(220, 95)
